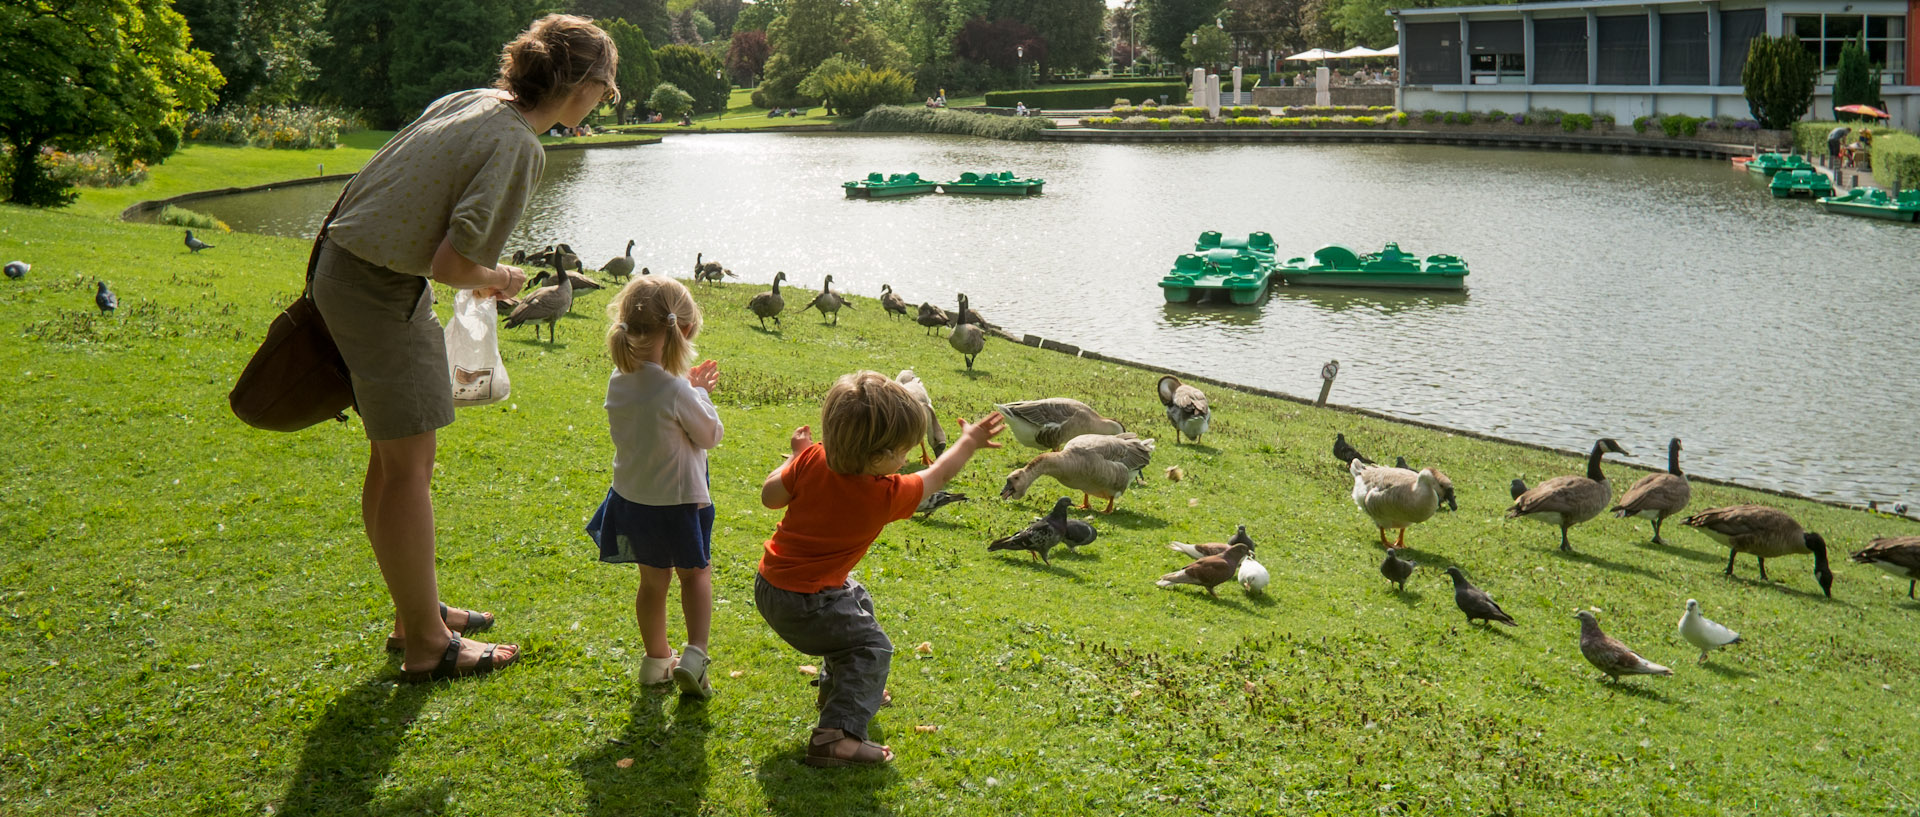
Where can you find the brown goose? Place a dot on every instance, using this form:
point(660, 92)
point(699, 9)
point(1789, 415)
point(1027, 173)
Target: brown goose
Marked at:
point(769, 304)
point(1186, 408)
point(1094, 464)
point(966, 338)
point(1899, 555)
point(620, 266)
point(1394, 497)
point(932, 317)
point(1608, 655)
point(1209, 572)
point(1657, 496)
point(893, 304)
point(1765, 532)
point(1048, 424)
point(1569, 500)
point(828, 302)
point(545, 304)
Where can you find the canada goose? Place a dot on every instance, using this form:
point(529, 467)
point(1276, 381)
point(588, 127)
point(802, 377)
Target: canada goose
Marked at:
point(1397, 570)
point(828, 302)
point(1658, 495)
point(104, 298)
point(1346, 453)
point(1475, 602)
point(1394, 497)
point(1048, 424)
point(711, 268)
point(1569, 500)
point(580, 279)
point(18, 269)
point(1703, 633)
point(1209, 572)
point(893, 304)
point(545, 304)
point(1899, 555)
point(966, 338)
point(1608, 655)
point(620, 266)
point(932, 317)
point(195, 244)
point(769, 304)
point(936, 433)
point(1038, 538)
point(1766, 533)
point(1186, 408)
point(1095, 464)
point(1440, 478)
point(711, 276)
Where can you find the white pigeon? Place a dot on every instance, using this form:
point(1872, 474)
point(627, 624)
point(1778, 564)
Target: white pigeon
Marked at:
point(1253, 575)
point(1703, 633)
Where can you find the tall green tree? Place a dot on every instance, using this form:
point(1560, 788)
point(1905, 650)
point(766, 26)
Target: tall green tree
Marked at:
point(1167, 23)
point(1074, 30)
point(650, 15)
point(757, 16)
point(694, 70)
point(1857, 81)
point(811, 31)
point(1779, 80)
point(1208, 45)
point(353, 64)
point(639, 72)
point(451, 45)
point(262, 47)
point(723, 13)
point(85, 74)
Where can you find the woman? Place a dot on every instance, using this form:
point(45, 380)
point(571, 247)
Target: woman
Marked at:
point(438, 203)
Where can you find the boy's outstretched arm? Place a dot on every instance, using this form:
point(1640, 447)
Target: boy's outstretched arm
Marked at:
point(773, 492)
point(973, 437)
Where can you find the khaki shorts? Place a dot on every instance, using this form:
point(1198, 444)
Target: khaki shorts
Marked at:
point(384, 324)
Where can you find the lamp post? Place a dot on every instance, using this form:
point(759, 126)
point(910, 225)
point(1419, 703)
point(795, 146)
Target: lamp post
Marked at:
point(1133, 57)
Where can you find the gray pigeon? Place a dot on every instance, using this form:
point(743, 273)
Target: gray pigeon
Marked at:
point(1042, 535)
point(1346, 453)
point(1240, 537)
point(1210, 572)
point(1397, 570)
point(196, 244)
point(1519, 487)
point(18, 269)
point(1609, 655)
point(105, 299)
point(937, 500)
point(1474, 602)
point(1079, 534)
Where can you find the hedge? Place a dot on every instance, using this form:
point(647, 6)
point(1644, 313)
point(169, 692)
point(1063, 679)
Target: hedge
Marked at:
point(919, 119)
point(1089, 96)
point(1896, 153)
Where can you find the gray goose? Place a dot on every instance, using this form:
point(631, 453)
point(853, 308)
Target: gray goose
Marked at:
point(932, 317)
point(893, 304)
point(1767, 533)
point(769, 304)
point(1394, 497)
point(1658, 495)
point(1095, 464)
point(828, 302)
point(545, 304)
point(1049, 423)
point(966, 338)
point(620, 266)
point(1569, 500)
point(1608, 655)
point(1440, 477)
point(1186, 408)
point(1899, 555)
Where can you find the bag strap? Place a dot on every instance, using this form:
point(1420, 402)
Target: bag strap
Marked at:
point(313, 260)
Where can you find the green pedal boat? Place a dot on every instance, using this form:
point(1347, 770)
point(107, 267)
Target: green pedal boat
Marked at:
point(1239, 268)
point(1872, 202)
point(1768, 164)
point(874, 186)
point(1800, 182)
point(1337, 266)
point(992, 184)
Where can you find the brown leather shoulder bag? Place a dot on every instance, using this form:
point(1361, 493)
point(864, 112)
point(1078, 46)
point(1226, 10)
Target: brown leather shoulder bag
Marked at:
point(297, 378)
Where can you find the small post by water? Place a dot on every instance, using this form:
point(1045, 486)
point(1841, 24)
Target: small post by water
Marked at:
point(1327, 374)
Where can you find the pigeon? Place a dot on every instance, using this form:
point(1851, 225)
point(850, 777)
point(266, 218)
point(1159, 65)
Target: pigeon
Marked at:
point(1079, 534)
point(1440, 479)
point(18, 269)
point(105, 299)
point(1397, 570)
point(1519, 487)
point(1210, 572)
point(1042, 535)
point(1252, 575)
point(1345, 453)
point(937, 500)
point(1702, 632)
point(1202, 551)
point(196, 244)
point(1240, 537)
point(1474, 602)
point(1609, 655)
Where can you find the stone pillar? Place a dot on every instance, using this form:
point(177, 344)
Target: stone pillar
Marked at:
point(1213, 96)
point(1322, 79)
point(1199, 97)
point(1235, 90)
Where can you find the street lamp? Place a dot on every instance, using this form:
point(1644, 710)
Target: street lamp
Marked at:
point(1133, 56)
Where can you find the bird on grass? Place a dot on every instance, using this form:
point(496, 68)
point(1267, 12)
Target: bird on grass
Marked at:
point(893, 304)
point(1049, 423)
point(1095, 464)
point(932, 317)
point(1398, 570)
point(711, 277)
point(1658, 495)
point(1346, 453)
point(1899, 555)
point(18, 269)
point(1440, 478)
point(1209, 572)
point(1252, 575)
point(1475, 602)
point(1569, 500)
point(1518, 487)
point(104, 298)
point(620, 266)
point(1394, 497)
point(937, 500)
point(1610, 656)
point(966, 338)
point(829, 302)
point(1186, 408)
point(1079, 534)
point(769, 304)
point(196, 244)
point(1040, 536)
point(710, 269)
point(936, 433)
point(1703, 633)
point(1766, 533)
point(1206, 549)
point(545, 304)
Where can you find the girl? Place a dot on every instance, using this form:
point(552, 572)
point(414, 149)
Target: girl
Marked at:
point(658, 512)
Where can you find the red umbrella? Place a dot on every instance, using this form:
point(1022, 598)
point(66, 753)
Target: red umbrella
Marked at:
point(1863, 110)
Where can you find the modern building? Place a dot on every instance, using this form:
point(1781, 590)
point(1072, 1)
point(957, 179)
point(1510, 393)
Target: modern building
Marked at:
point(1633, 58)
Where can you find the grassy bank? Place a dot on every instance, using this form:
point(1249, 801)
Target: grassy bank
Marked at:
point(190, 622)
point(206, 166)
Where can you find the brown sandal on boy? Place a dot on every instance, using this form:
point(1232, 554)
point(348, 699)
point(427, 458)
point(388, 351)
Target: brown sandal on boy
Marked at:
point(834, 747)
point(449, 666)
point(477, 622)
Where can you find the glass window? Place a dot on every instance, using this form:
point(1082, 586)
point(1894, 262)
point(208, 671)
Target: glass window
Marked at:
point(1806, 28)
point(1877, 26)
point(1844, 26)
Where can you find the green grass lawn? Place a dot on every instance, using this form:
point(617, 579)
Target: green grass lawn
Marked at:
point(205, 166)
point(191, 622)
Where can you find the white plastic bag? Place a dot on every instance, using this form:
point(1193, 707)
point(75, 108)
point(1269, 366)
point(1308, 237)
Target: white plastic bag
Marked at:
point(473, 352)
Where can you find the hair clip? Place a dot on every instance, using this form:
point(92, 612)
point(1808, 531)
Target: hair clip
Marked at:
point(622, 326)
point(672, 319)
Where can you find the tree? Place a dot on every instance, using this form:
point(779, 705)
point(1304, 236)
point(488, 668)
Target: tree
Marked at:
point(692, 71)
point(650, 15)
point(670, 101)
point(747, 54)
point(1168, 23)
point(1286, 26)
point(723, 13)
point(1208, 45)
point(1073, 30)
point(638, 71)
point(450, 45)
point(1857, 81)
point(84, 74)
point(811, 31)
point(757, 16)
point(1001, 44)
point(353, 62)
point(1779, 80)
point(262, 47)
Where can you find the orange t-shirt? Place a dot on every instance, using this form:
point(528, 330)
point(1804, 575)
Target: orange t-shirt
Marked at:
point(831, 521)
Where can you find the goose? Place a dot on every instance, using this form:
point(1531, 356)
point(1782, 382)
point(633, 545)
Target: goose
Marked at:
point(1703, 633)
point(1099, 465)
point(1398, 570)
point(966, 338)
point(1209, 572)
point(769, 304)
point(562, 256)
point(1186, 408)
point(1899, 555)
point(18, 269)
point(1439, 477)
point(104, 298)
point(1475, 602)
point(1766, 533)
point(620, 266)
point(545, 304)
point(1658, 495)
point(932, 317)
point(1569, 500)
point(1608, 655)
point(1040, 536)
point(893, 304)
point(1394, 497)
point(195, 244)
point(936, 433)
point(712, 276)
point(580, 279)
point(1048, 424)
point(1346, 453)
point(828, 302)
point(711, 268)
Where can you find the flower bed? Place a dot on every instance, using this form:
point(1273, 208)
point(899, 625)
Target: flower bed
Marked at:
point(1159, 112)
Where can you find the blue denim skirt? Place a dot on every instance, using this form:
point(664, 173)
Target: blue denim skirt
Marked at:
point(664, 536)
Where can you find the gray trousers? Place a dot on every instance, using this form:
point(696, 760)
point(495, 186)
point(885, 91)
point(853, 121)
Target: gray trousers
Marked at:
point(836, 624)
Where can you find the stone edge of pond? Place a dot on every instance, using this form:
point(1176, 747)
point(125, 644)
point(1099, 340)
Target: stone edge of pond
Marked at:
point(1535, 141)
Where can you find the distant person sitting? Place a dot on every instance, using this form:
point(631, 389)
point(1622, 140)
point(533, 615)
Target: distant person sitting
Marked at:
point(931, 103)
point(940, 101)
point(686, 120)
point(793, 112)
point(773, 113)
point(1020, 109)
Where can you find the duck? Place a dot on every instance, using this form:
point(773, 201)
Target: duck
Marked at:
point(1446, 483)
point(893, 304)
point(1394, 497)
point(620, 266)
point(828, 302)
point(1658, 495)
point(18, 269)
point(1569, 500)
point(1702, 632)
point(932, 317)
point(1475, 602)
point(966, 338)
point(1608, 655)
point(1346, 453)
point(769, 304)
point(936, 433)
point(1049, 423)
point(1899, 555)
point(1767, 533)
point(1102, 465)
point(195, 244)
point(1040, 536)
point(545, 304)
point(1186, 408)
point(1209, 572)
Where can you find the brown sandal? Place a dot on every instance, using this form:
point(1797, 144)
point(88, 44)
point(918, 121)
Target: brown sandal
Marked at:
point(449, 666)
point(477, 622)
point(827, 748)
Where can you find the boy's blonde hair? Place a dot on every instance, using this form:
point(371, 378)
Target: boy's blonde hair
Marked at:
point(649, 307)
point(867, 414)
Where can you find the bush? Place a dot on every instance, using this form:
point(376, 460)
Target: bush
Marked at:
point(670, 101)
point(182, 217)
point(1576, 121)
point(1779, 79)
point(1430, 117)
point(1896, 159)
point(1496, 115)
point(273, 127)
point(1121, 102)
point(855, 93)
point(1194, 113)
point(1678, 125)
point(1640, 123)
point(1067, 96)
point(918, 119)
point(1606, 121)
point(92, 169)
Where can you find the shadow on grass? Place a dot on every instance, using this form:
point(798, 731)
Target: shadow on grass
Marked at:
point(1490, 628)
point(1036, 565)
point(1605, 564)
point(942, 524)
point(1132, 519)
point(1631, 689)
point(1684, 553)
point(973, 374)
point(1774, 584)
point(1728, 672)
point(350, 748)
point(794, 789)
point(1409, 598)
point(529, 343)
point(1078, 555)
point(668, 773)
point(1240, 604)
point(1204, 449)
point(778, 329)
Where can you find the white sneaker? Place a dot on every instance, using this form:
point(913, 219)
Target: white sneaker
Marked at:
point(691, 674)
point(656, 671)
